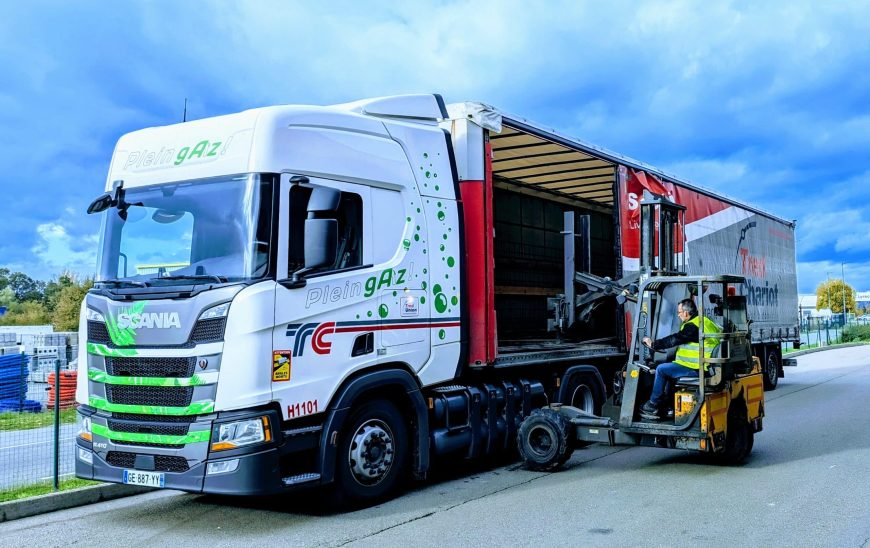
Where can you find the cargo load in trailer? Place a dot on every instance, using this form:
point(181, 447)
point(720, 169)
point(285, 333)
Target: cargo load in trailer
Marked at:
point(295, 295)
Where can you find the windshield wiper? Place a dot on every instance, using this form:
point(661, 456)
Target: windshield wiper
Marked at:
point(120, 283)
point(214, 277)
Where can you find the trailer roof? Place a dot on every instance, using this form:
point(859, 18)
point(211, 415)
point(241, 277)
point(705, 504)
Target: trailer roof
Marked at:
point(544, 159)
point(518, 124)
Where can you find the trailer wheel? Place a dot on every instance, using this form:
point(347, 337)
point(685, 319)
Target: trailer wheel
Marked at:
point(372, 454)
point(771, 370)
point(739, 440)
point(543, 441)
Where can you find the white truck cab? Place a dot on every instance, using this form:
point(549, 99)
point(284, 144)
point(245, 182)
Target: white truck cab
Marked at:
point(250, 265)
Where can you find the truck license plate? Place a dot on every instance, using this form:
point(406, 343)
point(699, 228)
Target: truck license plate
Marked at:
point(148, 479)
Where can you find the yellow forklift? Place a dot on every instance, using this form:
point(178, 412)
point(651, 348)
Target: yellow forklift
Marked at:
point(718, 411)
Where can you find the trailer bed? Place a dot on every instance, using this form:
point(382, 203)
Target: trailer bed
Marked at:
point(532, 352)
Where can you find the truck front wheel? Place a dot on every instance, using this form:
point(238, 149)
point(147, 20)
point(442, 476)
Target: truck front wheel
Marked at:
point(373, 453)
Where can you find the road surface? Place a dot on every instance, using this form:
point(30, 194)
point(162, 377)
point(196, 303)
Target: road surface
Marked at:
point(805, 484)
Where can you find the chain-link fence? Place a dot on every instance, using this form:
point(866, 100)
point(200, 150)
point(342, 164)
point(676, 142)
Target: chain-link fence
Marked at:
point(37, 413)
point(826, 331)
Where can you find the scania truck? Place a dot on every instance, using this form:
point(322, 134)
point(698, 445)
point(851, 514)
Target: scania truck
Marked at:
point(297, 296)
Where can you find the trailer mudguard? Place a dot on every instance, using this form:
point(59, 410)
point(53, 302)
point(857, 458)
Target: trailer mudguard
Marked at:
point(357, 386)
point(594, 376)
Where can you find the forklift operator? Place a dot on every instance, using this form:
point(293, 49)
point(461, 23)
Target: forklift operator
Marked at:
point(686, 361)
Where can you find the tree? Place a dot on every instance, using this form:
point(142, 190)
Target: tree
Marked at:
point(829, 294)
point(69, 300)
point(26, 313)
point(25, 287)
point(53, 289)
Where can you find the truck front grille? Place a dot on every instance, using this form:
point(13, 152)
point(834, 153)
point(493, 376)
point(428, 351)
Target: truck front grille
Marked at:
point(161, 429)
point(204, 331)
point(151, 367)
point(153, 418)
point(162, 463)
point(175, 396)
point(145, 444)
point(211, 330)
point(97, 333)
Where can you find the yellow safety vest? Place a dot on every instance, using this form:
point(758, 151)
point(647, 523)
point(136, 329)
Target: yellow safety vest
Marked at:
point(688, 354)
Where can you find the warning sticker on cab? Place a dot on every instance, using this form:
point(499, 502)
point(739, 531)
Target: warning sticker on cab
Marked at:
point(281, 365)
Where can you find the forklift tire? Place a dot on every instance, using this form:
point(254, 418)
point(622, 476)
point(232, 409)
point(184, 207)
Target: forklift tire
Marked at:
point(771, 370)
point(738, 441)
point(543, 440)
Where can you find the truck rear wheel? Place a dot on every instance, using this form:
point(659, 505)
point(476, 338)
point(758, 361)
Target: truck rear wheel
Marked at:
point(543, 440)
point(771, 370)
point(372, 454)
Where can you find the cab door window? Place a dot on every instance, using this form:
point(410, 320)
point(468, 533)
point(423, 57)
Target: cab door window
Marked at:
point(349, 217)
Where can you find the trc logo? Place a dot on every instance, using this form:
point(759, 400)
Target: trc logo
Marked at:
point(316, 331)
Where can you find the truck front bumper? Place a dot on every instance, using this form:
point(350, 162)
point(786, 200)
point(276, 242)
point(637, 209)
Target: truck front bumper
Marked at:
point(256, 473)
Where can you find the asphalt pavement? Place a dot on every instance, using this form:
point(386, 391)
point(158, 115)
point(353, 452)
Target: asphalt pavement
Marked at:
point(805, 484)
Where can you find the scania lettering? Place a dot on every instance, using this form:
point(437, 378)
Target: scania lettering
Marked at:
point(296, 295)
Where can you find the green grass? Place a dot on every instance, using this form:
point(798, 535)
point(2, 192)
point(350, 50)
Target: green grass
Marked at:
point(43, 489)
point(26, 421)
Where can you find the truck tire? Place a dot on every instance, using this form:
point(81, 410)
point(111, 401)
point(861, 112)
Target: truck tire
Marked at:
point(543, 441)
point(580, 392)
point(372, 454)
point(771, 369)
point(739, 440)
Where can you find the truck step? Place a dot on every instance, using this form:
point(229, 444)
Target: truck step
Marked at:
point(300, 478)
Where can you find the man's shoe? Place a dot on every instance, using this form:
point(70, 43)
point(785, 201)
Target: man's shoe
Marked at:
point(650, 412)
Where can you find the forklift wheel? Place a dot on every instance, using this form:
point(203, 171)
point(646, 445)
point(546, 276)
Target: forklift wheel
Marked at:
point(542, 440)
point(738, 441)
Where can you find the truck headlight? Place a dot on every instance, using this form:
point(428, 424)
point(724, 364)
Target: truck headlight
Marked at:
point(94, 316)
point(232, 435)
point(85, 429)
point(219, 311)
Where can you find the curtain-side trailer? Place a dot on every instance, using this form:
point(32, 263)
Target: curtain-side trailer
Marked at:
point(296, 296)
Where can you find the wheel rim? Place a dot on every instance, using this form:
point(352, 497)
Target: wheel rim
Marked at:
point(371, 452)
point(541, 441)
point(618, 381)
point(583, 399)
point(771, 369)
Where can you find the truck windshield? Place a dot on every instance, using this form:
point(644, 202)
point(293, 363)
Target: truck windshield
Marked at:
point(202, 231)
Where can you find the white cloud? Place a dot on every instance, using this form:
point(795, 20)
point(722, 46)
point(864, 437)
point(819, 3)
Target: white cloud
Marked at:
point(57, 251)
point(841, 230)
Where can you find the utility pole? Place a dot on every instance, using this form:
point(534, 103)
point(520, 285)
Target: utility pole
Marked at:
point(843, 271)
point(184, 116)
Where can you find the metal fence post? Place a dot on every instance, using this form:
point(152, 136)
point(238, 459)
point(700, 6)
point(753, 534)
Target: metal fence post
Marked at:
point(56, 469)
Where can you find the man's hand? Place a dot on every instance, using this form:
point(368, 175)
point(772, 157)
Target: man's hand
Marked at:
point(647, 342)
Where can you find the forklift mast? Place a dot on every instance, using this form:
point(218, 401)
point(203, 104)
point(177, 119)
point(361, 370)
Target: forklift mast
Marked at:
point(661, 224)
point(661, 231)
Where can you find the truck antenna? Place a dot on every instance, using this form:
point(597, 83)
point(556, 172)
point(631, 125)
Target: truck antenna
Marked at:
point(184, 117)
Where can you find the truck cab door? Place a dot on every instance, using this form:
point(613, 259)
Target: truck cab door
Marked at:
point(323, 326)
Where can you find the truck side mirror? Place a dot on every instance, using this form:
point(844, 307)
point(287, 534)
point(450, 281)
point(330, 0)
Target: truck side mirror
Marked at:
point(101, 204)
point(321, 242)
point(321, 235)
point(323, 199)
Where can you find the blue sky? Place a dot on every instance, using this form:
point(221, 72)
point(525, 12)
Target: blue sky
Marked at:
point(767, 102)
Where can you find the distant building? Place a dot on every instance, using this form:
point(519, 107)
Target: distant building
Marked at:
point(807, 306)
